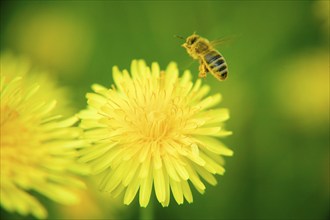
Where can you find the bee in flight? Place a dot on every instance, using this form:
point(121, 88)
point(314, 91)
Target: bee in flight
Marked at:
point(210, 60)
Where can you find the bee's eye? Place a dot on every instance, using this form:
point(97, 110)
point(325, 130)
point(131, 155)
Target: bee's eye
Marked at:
point(193, 40)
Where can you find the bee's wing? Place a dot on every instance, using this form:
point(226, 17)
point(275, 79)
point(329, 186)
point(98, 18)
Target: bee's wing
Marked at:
point(224, 40)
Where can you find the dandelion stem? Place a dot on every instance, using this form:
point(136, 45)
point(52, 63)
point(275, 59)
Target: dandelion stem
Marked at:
point(148, 212)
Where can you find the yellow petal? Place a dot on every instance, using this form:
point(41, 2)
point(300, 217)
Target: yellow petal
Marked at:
point(206, 175)
point(177, 191)
point(145, 189)
point(170, 168)
point(58, 194)
point(211, 165)
point(167, 190)
point(131, 191)
point(210, 101)
point(193, 176)
point(186, 191)
point(214, 145)
point(205, 130)
point(159, 182)
point(181, 170)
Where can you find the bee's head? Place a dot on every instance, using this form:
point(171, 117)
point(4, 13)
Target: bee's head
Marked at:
point(190, 41)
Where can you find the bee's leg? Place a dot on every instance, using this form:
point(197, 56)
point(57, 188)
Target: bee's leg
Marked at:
point(202, 70)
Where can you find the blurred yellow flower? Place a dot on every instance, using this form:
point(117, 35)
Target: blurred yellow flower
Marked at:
point(13, 66)
point(37, 150)
point(54, 37)
point(95, 205)
point(304, 94)
point(321, 12)
point(154, 128)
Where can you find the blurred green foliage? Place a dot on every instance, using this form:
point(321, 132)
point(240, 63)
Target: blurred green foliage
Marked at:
point(280, 169)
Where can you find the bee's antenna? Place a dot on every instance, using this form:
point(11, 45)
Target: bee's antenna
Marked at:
point(177, 36)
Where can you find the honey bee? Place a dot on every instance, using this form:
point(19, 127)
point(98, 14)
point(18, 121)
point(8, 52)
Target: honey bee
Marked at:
point(210, 60)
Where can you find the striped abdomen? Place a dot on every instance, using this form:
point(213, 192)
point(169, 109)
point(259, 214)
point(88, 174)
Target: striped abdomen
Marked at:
point(216, 64)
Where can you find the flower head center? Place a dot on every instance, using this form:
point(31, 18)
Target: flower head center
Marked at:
point(11, 126)
point(157, 126)
point(14, 132)
point(157, 123)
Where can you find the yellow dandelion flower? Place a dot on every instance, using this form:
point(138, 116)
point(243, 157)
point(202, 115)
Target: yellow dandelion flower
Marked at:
point(37, 150)
point(20, 66)
point(154, 128)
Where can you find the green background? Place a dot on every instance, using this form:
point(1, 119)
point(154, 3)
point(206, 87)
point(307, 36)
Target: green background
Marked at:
point(280, 169)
